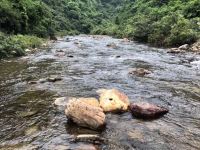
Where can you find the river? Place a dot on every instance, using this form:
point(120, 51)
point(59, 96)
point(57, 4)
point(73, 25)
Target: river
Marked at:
point(29, 120)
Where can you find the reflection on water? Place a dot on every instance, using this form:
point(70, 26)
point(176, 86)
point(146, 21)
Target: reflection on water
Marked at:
point(29, 120)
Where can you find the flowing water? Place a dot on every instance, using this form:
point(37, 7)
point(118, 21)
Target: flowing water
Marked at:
point(29, 120)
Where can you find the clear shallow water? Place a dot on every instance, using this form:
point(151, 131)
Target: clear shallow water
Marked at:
point(29, 120)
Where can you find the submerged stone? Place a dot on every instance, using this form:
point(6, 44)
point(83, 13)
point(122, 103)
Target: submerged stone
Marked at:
point(61, 101)
point(139, 71)
point(54, 79)
point(145, 110)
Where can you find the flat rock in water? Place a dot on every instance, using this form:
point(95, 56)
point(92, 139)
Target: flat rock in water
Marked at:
point(54, 79)
point(61, 101)
point(139, 71)
point(88, 138)
point(145, 110)
point(175, 51)
point(112, 100)
point(32, 82)
point(85, 114)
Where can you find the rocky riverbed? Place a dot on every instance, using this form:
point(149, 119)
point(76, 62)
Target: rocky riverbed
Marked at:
point(83, 64)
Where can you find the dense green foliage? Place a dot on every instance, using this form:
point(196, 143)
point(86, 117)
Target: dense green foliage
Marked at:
point(15, 45)
point(159, 22)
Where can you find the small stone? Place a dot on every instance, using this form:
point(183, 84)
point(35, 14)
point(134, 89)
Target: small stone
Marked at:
point(139, 71)
point(175, 51)
point(32, 82)
point(67, 40)
point(88, 138)
point(61, 101)
point(54, 79)
point(70, 56)
point(118, 56)
point(59, 50)
point(77, 43)
point(112, 45)
point(145, 110)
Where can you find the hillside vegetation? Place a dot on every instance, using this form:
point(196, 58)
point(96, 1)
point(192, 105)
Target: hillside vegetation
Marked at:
point(159, 22)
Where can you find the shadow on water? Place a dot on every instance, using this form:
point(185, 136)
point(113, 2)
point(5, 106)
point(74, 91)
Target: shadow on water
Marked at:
point(29, 120)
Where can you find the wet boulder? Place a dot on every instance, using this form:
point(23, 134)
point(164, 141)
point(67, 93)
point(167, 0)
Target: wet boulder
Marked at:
point(85, 112)
point(184, 47)
point(145, 110)
point(195, 47)
point(139, 71)
point(112, 100)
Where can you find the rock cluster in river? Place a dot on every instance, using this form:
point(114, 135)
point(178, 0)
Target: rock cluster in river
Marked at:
point(186, 47)
point(90, 112)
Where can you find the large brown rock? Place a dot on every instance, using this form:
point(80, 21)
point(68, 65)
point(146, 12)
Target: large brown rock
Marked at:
point(112, 100)
point(85, 112)
point(145, 110)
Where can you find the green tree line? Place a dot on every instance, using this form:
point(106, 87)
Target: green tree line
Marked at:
point(159, 22)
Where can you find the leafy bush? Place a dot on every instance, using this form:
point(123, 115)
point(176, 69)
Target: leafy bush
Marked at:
point(15, 45)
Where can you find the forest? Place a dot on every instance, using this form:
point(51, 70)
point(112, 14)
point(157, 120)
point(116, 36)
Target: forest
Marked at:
point(162, 23)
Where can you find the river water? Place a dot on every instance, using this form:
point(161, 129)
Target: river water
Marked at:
point(29, 120)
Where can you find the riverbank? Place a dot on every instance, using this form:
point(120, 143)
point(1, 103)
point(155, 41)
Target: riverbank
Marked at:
point(18, 45)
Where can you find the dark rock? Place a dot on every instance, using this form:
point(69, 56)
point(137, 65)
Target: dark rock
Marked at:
point(54, 79)
point(118, 56)
point(70, 56)
point(59, 50)
point(32, 82)
point(145, 110)
point(42, 80)
point(76, 42)
point(112, 45)
point(67, 40)
point(175, 51)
